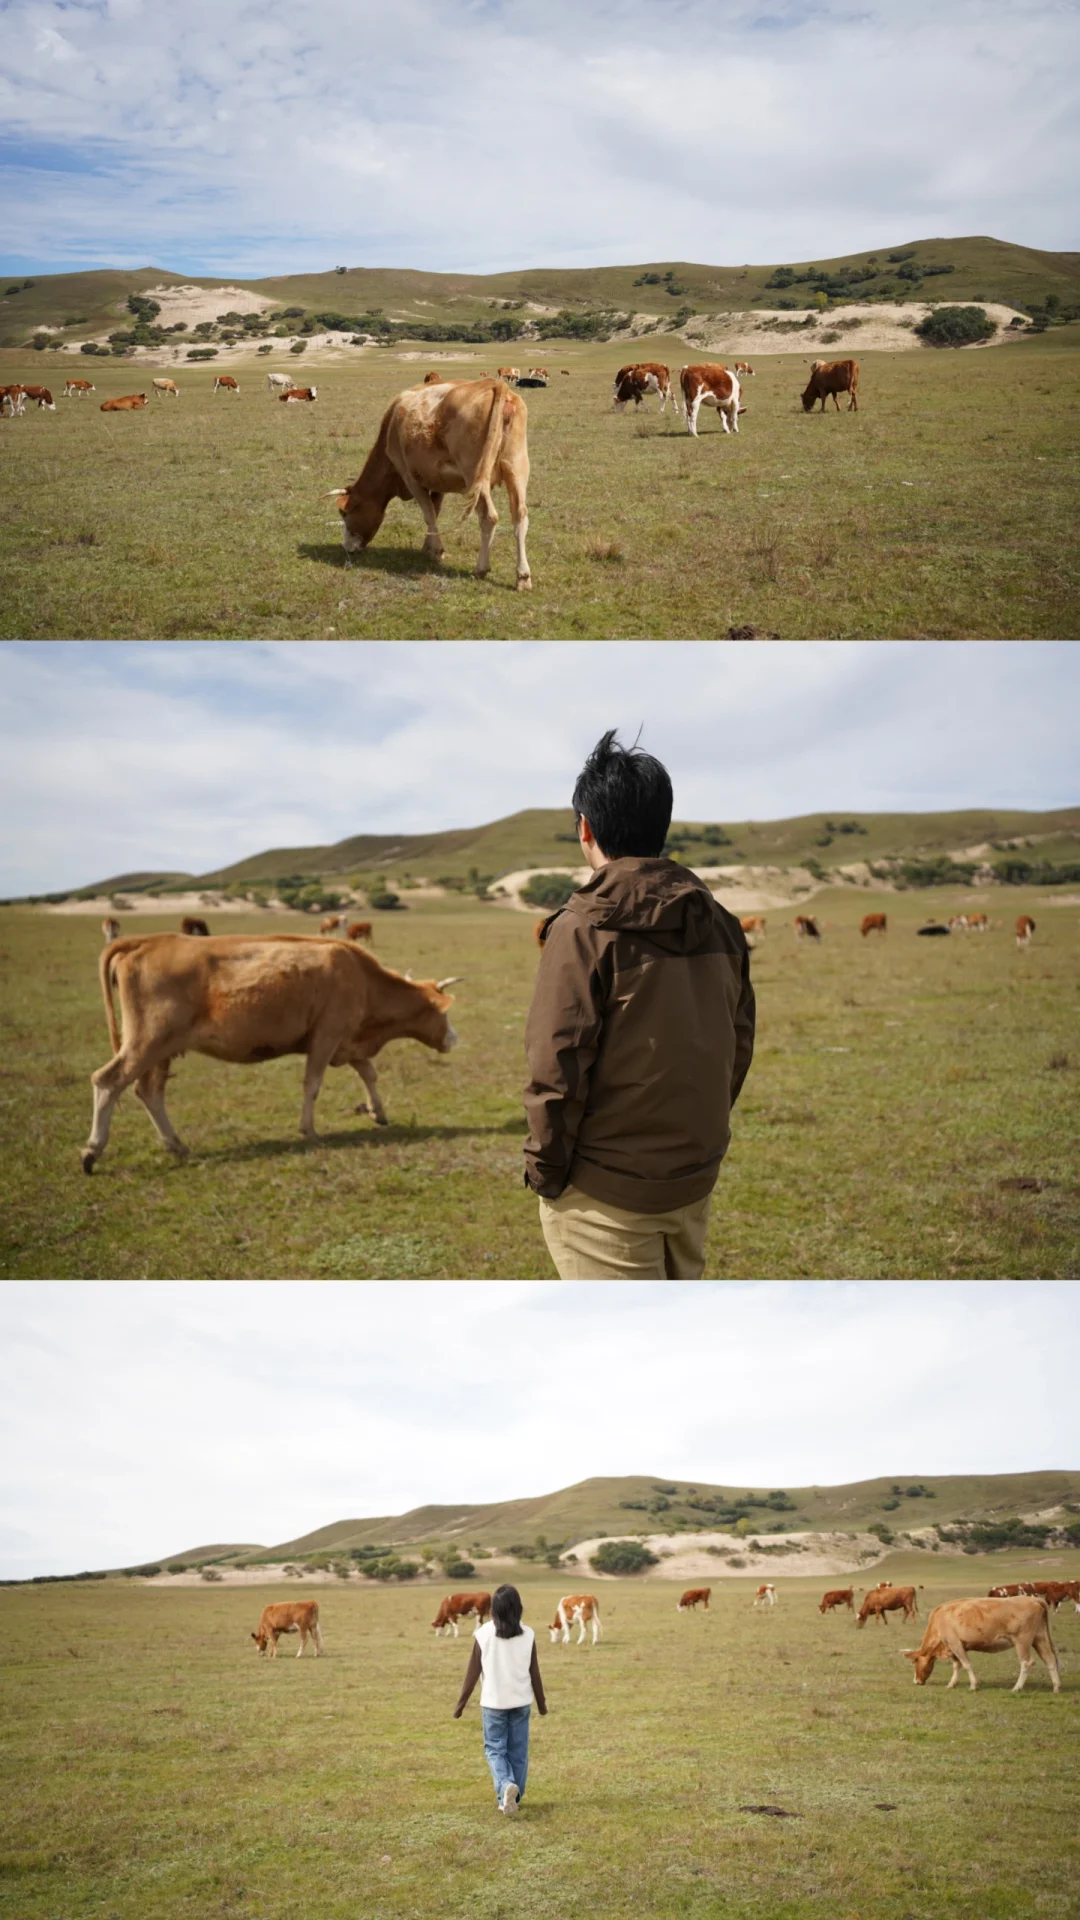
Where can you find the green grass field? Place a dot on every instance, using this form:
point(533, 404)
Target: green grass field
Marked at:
point(944, 509)
point(153, 1765)
point(903, 1092)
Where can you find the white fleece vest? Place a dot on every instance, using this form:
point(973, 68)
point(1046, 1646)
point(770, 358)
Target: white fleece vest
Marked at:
point(505, 1665)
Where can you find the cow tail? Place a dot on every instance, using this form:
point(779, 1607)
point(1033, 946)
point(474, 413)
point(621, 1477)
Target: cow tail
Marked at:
point(482, 481)
point(105, 976)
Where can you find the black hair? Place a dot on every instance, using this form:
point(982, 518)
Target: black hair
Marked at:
point(506, 1612)
point(625, 795)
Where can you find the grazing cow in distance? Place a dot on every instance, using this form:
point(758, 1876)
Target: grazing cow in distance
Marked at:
point(292, 394)
point(1055, 1591)
point(753, 924)
point(332, 922)
point(191, 925)
point(565, 372)
point(166, 386)
point(227, 384)
point(1025, 927)
point(77, 389)
point(289, 1616)
point(835, 377)
point(434, 379)
point(884, 1600)
point(1009, 1592)
point(873, 923)
point(576, 1610)
point(958, 923)
point(508, 373)
point(806, 927)
point(127, 403)
point(960, 1627)
point(274, 380)
point(461, 1606)
point(694, 1597)
point(710, 386)
point(111, 930)
point(467, 437)
point(837, 1597)
point(765, 1595)
point(978, 923)
point(633, 382)
point(42, 396)
point(246, 998)
point(358, 930)
point(13, 399)
point(743, 367)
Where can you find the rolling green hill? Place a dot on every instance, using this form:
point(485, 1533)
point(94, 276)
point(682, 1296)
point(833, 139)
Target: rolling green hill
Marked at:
point(982, 269)
point(599, 1506)
point(539, 837)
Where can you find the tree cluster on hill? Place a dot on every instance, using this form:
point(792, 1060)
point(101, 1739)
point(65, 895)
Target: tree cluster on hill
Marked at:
point(870, 282)
point(956, 327)
point(995, 1536)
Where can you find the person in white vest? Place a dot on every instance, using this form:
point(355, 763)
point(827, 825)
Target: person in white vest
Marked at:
point(504, 1652)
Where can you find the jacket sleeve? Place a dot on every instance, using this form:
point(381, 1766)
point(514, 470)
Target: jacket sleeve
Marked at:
point(472, 1675)
point(537, 1683)
point(745, 1016)
point(562, 1038)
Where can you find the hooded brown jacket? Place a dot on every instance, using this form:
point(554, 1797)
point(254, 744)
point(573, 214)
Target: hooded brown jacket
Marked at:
point(639, 1038)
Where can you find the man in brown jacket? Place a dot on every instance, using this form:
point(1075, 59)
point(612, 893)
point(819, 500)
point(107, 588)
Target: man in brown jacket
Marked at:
point(639, 1038)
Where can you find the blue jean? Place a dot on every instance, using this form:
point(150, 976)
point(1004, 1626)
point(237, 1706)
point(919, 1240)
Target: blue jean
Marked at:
point(506, 1746)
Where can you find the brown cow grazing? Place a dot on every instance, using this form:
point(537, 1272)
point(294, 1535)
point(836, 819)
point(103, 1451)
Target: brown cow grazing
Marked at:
point(42, 396)
point(873, 923)
point(245, 998)
point(466, 437)
point(576, 1610)
point(837, 1597)
point(77, 389)
point(508, 373)
point(461, 1606)
point(835, 377)
point(166, 386)
point(710, 386)
point(434, 379)
point(359, 930)
point(226, 382)
point(884, 1600)
point(190, 925)
point(289, 1616)
point(1055, 1591)
point(633, 382)
point(694, 1597)
point(1025, 927)
point(128, 403)
point(961, 1627)
point(1008, 1592)
point(753, 924)
point(332, 922)
point(978, 923)
point(806, 927)
point(765, 1595)
point(111, 930)
point(292, 394)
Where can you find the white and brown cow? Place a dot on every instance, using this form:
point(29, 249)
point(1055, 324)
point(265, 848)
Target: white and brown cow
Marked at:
point(246, 998)
point(576, 1610)
point(227, 384)
point(166, 386)
point(461, 1606)
point(765, 1595)
point(466, 437)
point(289, 1616)
point(710, 386)
point(111, 929)
point(1025, 927)
point(292, 394)
point(634, 381)
point(42, 396)
point(77, 389)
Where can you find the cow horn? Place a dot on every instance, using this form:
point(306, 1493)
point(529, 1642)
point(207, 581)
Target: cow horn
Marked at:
point(450, 981)
point(408, 973)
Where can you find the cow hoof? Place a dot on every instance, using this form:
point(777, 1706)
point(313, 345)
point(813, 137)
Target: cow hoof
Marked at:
point(524, 584)
point(381, 1120)
point(362, 1108)
point(88, 1160)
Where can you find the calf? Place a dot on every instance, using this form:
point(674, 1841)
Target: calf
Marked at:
point(765, 1595)
point(837, 1597)
point(461, 1606)
point(289, 1616)
point(694, 1597)
point(710, 386)
point(881, 1601)
point(576, 1610)
point(832, 377)
point(961, 1627)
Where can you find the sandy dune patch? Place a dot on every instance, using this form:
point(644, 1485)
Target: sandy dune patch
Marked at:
point(745, 336)
point(684, 1556)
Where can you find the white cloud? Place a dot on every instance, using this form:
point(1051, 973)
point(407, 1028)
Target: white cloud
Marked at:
point(123, 757)
point(476, 138)
point(137, 1420)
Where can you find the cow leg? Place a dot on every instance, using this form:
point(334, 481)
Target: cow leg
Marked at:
point(489, 520)
point(1025, 1668)
point(321, 1050)
point(429, 505)
point(108, 1083)
point(317, 1637)
point(150, 1089)
point(373, 1104)
point(519, 517)
point(1044, 1647)
point(692, 411)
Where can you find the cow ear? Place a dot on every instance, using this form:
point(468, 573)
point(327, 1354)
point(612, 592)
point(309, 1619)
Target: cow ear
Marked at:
point(910, 1653)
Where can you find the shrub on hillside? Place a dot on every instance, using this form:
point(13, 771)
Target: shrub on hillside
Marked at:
point(298, 346)
point(459, 1569)
point(209, 1573)
point(956, 327)
point(176, 1566)
point(548, 889)
point(385, 902)
point(202, 353)
point(623, 1556)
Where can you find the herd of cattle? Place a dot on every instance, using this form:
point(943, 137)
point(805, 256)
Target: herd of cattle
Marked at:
point(1016, 1616)
point(807, 928)
point(468, 436)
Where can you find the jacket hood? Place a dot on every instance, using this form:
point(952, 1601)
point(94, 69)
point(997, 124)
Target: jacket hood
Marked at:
point(655, 898)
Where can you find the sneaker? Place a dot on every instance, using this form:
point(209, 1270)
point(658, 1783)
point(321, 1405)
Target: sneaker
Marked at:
point(510, 1798)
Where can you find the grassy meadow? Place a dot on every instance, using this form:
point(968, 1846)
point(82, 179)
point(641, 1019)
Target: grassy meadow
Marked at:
point(153, 1765)
point(911, 1113)
point(944, 509)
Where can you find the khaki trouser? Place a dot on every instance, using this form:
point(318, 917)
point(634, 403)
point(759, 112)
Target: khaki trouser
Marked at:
point(590, 1240)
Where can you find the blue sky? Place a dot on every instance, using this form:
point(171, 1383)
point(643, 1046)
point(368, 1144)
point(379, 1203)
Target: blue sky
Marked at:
point(227, 137)
point(118, 757)
point(397, 1395)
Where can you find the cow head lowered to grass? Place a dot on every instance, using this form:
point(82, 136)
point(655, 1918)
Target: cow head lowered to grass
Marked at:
point(248, 998)
point(462, 436)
